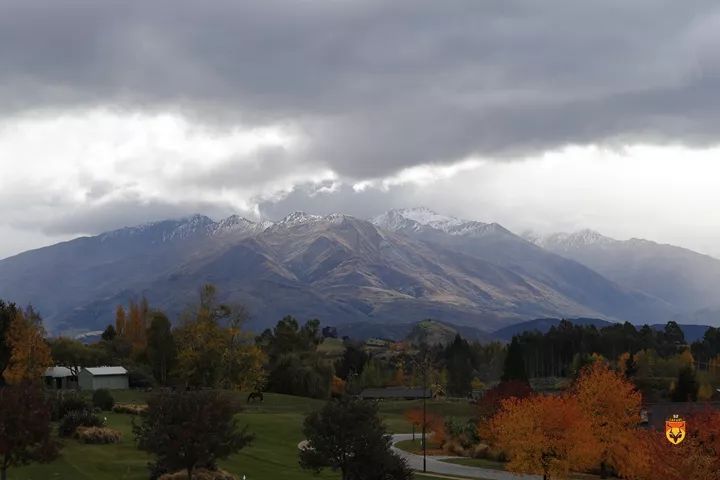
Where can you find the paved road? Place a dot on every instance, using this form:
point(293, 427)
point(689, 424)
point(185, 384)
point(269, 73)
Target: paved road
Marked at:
point(436, 466)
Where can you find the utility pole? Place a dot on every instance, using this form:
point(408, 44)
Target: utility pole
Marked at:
point(424, 393)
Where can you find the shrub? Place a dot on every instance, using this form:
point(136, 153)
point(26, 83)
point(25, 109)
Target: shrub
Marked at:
point(103, 400)
point(199, 474)
point(131, 408)
point(140, 377)
point(66, 403)
point(97, 435)
point(75, 419)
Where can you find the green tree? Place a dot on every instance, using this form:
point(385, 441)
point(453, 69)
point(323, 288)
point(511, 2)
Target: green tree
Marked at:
point(109, 333)
point(459, 364)
point(347, 435)
point(161, 350)
point(686, 387)
point(189, 430)
point(73, 355)
point(514, 363)
point(25, 427)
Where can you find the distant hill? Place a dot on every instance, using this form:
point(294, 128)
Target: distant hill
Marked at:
point(431, 331)
point(543, 325)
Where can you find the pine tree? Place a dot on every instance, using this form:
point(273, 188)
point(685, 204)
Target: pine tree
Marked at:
point(686, 387)
point(514, 368)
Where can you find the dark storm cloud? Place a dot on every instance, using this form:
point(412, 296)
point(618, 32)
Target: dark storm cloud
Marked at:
point(379, 86)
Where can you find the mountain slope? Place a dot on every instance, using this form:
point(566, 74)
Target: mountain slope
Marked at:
point(338, 268)
point(685, 279)
point(493, 243)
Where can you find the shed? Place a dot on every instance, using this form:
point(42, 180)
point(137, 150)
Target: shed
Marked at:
point(396, 393)
point(60, 378)
point(111, 378)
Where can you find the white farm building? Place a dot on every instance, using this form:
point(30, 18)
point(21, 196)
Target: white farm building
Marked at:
point(111, 378)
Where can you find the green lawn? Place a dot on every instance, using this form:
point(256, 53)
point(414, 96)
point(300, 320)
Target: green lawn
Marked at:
point(276, 423)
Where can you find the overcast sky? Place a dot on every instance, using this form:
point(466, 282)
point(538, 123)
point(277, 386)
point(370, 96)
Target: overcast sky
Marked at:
point(550, 116)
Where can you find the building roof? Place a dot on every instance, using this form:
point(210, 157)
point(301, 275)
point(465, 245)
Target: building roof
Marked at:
point(396, 392)
point(58, 372)
point(100, 371)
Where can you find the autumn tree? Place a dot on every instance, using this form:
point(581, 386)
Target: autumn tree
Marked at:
point(612, 404)
point(25, 428)
point(212, 348)
point(8, 311)
point(490, 403)
point(546, 435)
point(189, 430)
point(30, 354)
point(348, 436)
point(120, 321)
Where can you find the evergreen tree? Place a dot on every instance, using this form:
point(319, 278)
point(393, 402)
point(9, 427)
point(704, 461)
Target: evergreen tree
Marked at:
point(189, 430)
point(161, 349)
point(514, 363)
point(109, 333)
point(347, 435)
point(686, 388)
point(460, 370)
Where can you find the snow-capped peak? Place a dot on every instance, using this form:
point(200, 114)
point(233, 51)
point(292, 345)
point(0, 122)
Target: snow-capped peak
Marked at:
point(567, 241)
point(415, 217)
point(237, 224)
point(297, 218)
point(423, 218)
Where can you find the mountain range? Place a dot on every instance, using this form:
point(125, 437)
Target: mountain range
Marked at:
point(397, 268)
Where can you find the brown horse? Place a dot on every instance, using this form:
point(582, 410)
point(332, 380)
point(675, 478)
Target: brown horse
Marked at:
point(255, 396)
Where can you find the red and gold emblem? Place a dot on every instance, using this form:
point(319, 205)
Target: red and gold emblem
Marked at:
point(675, 429)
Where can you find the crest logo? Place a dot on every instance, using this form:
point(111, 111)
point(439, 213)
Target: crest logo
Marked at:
point(675, 429)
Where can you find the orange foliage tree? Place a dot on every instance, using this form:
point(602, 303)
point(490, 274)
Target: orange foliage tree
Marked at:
point(612, 404)
point(546, 435)
point(434, 423)
point(29, 353)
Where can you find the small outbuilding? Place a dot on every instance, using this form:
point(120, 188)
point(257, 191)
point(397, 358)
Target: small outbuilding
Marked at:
point(110, 378)
point(60, 378)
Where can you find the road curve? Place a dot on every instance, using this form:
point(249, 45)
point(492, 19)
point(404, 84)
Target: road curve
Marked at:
point(434, 465)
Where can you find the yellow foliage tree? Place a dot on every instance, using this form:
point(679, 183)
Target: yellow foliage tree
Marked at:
point(612, 404)
point(30, 354)
point(120, 321)
point(546, 435)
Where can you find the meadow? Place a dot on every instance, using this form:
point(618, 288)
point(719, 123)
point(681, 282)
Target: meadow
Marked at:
point(276, 423)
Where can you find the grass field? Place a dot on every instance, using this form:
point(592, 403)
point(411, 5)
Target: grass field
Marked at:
point(276, 423)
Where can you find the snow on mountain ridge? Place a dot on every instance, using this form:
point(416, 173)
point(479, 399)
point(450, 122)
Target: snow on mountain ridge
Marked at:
point(417, 219)
point(565, 241)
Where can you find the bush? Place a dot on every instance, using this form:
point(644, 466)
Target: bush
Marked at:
point(199, 474)
point(131, 408)
point(140, 377)
point(75, 419)
point(66, 403)
point(103, 400)
point(97, 435)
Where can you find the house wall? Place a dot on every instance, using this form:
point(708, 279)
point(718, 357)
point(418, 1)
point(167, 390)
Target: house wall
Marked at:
point(89, 381)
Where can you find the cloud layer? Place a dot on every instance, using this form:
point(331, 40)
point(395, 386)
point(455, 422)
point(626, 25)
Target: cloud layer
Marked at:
point(120, 112)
